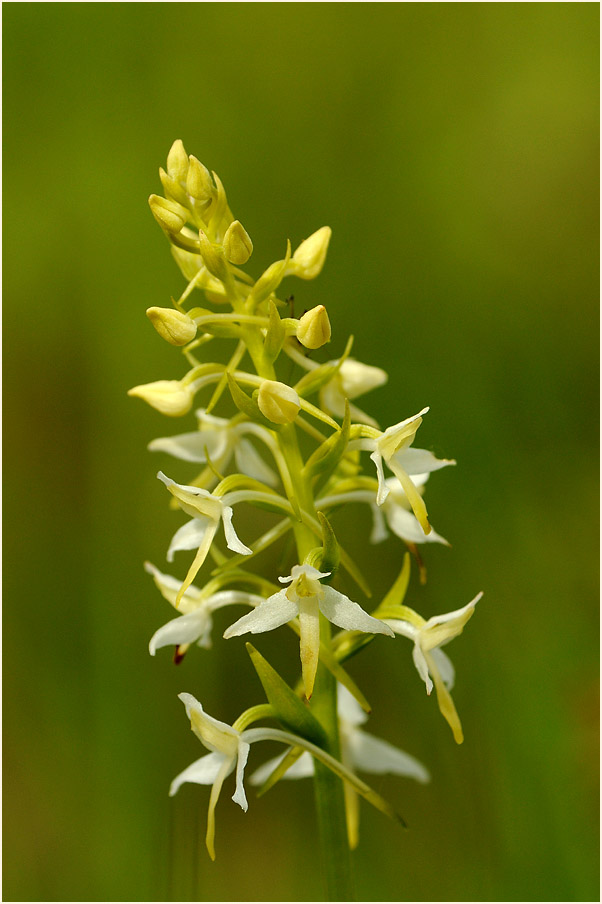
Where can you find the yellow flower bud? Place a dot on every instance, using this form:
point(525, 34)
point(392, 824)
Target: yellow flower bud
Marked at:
point(309, 257)
point(167, 396)
point(314, 328)
point(237, 244)
point(198, 181)
point(170, 215)
point(278, 402)
point(172, 325)
point(177, 161)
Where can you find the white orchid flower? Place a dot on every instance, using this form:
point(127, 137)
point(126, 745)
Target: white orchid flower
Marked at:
point(307, 597)
point(207, 511)
point(360, 751)
point(229, 750)
point(351, 380)
point(195, 624)
point(433, 665)
point(394, 512)
point(221, 440)
point(393, 447)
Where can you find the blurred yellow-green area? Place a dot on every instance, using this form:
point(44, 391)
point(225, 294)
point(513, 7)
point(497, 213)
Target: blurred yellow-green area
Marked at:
point(453, 149)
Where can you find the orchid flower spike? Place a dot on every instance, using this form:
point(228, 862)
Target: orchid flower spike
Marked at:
point(433, 665)
point(360, 751)
point(307, 597)
point(195, 624)
point(206, 511)
point(393, 447)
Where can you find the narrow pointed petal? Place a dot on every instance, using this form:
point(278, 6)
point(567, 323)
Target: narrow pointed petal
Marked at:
point(271, 613)
point(232, 540)
point(309, 647)
point(418, 461)
point(344, 613)
point(414, 497)
point(185, 629)
point(421, 664)
point(383, 490)
point(239, 797)
point(189, 536)
point(226, 769)
point(200, 557)
point(370, 754)
point(446, 704)
point(201, 772)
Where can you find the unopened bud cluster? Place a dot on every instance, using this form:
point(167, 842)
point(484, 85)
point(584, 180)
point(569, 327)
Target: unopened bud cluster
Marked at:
point(278, 430)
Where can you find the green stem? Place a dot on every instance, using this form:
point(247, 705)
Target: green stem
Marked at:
point(328, 789)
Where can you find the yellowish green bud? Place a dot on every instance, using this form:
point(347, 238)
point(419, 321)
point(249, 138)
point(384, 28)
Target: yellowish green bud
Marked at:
point(213, 257)
point(314, 328)
point(173, 326)
point(278, 402)
point(177, 161)
point(170, 215)
point(237, 244)
point(198, 180)
point(172, 188)
point(309, 257)
point(167, 396)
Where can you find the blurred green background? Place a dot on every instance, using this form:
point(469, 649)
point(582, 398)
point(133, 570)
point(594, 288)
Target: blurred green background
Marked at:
point(453, 148)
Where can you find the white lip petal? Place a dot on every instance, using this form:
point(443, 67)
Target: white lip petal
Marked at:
point(344, 613)
point(201, 772)
point(370, 754)
point(271, 613)
point(185, 629)
point(189, 536)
